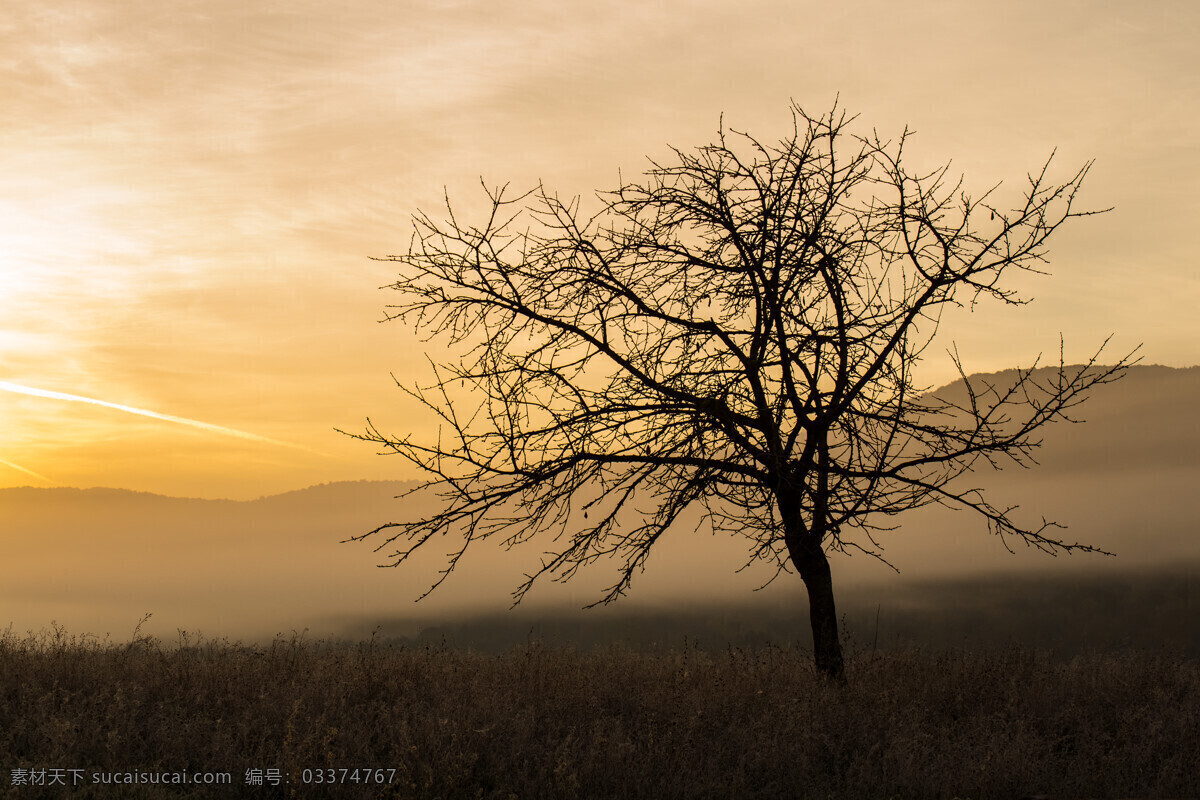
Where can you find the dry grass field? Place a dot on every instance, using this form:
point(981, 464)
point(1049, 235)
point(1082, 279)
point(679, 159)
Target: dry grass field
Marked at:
point(377, 719)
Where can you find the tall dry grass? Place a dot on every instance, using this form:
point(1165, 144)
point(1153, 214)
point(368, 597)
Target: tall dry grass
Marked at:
point(537, 722)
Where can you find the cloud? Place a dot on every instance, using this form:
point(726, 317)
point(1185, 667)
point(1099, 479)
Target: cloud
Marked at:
point(29, 390)
point(19, 468)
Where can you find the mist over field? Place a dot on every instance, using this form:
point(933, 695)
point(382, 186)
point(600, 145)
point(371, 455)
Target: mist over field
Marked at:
point(97, 560)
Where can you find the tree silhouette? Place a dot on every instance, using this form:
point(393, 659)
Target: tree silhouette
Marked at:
point(738, 333)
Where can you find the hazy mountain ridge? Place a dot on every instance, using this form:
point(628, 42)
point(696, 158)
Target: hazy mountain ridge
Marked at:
point(99, 495)
point(1145, 419)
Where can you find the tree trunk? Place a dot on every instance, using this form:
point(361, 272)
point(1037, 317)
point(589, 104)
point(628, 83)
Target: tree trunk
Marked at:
point(827, 647)
point(805, 547)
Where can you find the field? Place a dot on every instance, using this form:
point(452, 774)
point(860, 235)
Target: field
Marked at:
point(387, 719)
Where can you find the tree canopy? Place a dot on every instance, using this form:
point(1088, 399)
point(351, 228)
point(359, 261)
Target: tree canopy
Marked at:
point(736, 331)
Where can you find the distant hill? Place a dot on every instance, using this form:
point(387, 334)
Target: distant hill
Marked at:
point(1121, 478)
point(1148, 419)
point(98, 559)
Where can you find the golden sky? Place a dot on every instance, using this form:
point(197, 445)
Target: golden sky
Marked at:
point(190, 191)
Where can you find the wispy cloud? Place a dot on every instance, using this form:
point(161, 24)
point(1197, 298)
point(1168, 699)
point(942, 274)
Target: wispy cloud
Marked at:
point(19, 468)
point(29, 390)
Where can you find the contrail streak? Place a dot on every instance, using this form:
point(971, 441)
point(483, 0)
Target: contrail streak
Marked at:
point(29, 390)
point(19, 468)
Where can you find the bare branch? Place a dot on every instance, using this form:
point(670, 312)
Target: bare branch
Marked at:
point(737, 332)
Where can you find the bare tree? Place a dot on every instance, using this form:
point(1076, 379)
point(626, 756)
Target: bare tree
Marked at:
point(737, 333)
